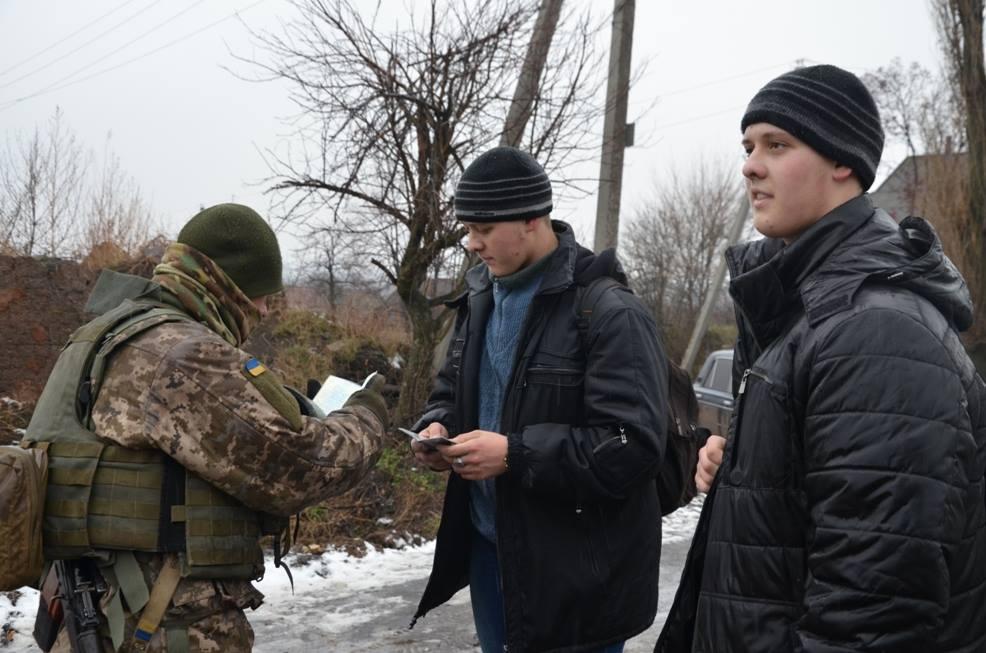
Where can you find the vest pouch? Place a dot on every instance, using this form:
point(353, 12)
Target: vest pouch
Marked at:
point(71, 469)
point(125, 503)
point(23, 476)
point(221, 535)
point(101, 497)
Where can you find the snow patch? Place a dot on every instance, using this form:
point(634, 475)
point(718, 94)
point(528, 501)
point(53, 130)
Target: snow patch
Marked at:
point(333, 592)
point(17, 610)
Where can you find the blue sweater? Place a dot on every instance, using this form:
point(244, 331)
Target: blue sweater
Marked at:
point(511, 298)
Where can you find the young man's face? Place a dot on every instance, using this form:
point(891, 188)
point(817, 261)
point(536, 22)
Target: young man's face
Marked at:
point(505, 247)
point(789, 184)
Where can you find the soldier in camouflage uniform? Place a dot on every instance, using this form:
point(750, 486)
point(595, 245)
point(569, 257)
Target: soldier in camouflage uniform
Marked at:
point(187, 389)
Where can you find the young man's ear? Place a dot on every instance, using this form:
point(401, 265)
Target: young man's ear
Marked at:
point(842, 172)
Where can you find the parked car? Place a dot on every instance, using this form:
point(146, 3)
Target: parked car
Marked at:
point(714, 391)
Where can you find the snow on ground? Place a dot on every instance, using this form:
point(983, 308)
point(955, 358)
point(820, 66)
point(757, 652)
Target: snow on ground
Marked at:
point(348, 580)
point(17, 610)
point(358, 588)
point(679, 525)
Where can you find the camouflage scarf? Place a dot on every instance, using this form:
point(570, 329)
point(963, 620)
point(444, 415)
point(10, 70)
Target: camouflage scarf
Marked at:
point(206, 292)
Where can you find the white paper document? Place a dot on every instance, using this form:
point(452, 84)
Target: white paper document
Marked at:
point(336, 391)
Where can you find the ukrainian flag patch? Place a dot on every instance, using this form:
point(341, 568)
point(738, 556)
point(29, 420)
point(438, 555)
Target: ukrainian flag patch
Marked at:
point(255, 367)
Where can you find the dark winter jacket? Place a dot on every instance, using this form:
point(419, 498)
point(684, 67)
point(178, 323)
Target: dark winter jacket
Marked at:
point(848, 513)
point(578, 522)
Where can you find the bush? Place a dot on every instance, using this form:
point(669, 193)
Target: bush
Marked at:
point(398, 501)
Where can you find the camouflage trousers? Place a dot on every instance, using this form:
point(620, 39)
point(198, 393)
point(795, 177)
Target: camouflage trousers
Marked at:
point(212, 611)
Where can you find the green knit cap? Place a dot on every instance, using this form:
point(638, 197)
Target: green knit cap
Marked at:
point(241, 243)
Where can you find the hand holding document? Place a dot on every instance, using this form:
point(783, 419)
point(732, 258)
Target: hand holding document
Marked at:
point(336, 391)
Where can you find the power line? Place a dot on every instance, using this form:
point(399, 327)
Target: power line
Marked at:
point(797, 62)
point(723, 80)
point(702, 117)
point(124, 46)
point(65, 38)
point(49, 89)
point(90, 41)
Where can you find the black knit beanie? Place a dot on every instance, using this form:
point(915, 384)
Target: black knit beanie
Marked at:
point(503, 184)
point(829, 109)
point(239, 241)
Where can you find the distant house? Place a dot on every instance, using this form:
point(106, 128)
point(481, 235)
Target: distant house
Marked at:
point(928, 185)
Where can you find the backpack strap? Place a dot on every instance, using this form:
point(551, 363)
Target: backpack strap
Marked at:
point(586, 298)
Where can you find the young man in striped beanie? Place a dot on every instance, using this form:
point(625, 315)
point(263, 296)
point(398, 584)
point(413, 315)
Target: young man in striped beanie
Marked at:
point(551, 514)
point(846, 510)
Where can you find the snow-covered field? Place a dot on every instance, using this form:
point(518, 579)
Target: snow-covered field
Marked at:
point(343, 603)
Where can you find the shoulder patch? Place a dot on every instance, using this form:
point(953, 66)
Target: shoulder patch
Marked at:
point(254, 367)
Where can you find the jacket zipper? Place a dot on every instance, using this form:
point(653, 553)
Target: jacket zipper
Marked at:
point(740, 410)
point(554, 370)
point(549, 370)
point(622, 437)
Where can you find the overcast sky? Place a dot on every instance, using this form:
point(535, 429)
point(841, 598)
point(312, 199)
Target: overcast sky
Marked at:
point(189, 132)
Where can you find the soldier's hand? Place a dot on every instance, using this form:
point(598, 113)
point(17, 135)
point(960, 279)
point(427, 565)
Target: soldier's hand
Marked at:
point(477, 455)
point(709, 459)
point(427, 456)
point(370, 397)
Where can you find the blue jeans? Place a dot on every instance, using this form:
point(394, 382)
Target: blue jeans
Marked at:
point(487, 598)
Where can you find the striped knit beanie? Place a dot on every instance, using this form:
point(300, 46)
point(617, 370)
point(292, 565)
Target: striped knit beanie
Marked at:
point(503, 184)
point(829, 109)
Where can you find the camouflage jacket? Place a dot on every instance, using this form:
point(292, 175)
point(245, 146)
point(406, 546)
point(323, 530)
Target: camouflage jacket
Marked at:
point(184, 390)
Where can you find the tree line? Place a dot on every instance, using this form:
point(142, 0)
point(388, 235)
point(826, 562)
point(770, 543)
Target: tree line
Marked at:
point(59, 199)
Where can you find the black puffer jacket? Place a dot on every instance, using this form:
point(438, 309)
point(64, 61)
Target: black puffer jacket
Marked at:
point(848, 513)
point(578, 525)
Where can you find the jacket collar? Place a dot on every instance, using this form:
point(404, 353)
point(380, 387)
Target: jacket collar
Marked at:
point(559, 273)
point(823, 269)
point(768, 281)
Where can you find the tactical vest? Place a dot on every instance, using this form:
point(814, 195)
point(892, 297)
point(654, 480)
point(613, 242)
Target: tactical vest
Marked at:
point(105, 497)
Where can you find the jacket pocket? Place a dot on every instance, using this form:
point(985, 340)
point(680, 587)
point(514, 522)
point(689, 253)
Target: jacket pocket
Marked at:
point(760, 453)
point(553, 393)
point(556, 376)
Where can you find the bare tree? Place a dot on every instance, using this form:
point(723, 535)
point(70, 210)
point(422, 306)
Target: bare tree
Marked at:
point(960, 31)
point(388, 116)
point(50, 205)
point(41, 178)
point(926, 113)
point(672, 243)
point(115, 210)
point(922, 110)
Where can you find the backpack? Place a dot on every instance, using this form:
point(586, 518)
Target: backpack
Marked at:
point(23, 480)
point(676, 478)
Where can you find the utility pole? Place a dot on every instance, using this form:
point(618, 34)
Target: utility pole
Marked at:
point(702, 325)
point(530, 73)
point(614, 126)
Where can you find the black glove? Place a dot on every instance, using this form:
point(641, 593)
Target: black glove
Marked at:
point(370, 398)
point(314, 385)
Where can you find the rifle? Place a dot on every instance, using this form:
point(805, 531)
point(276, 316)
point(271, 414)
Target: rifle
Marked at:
point(81, 586)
